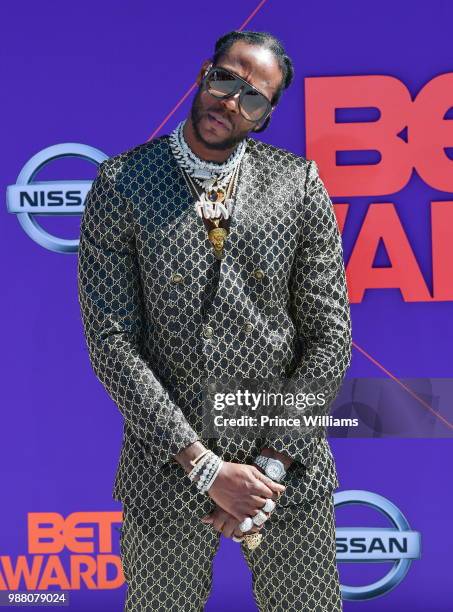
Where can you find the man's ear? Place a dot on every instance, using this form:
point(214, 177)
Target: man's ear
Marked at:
point(203, 70)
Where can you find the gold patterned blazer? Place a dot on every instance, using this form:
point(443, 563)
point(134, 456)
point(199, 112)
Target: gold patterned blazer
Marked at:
point(161, 314)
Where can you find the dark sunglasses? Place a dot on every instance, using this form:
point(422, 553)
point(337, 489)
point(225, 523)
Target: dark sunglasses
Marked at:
point(221, 84)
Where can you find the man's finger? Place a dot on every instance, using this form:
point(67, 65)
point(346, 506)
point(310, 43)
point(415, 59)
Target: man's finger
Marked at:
point(276, 487)
point(229, 527)
point(257, 503)
point(219, 523)
point(261, 488)
point(207, 519)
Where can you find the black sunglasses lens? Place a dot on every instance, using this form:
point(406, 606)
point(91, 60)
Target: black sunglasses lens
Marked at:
point(254, 105)
point(221, 84)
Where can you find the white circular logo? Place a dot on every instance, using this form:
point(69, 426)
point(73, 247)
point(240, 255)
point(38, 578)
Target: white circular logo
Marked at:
point(397, 544)
point(28, 198)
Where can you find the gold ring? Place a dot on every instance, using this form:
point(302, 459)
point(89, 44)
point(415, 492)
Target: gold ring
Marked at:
point(253, 540)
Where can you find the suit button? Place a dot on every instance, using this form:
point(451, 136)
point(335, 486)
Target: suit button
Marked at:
point(208, 331)
point(248, 327)
point(258, 273)
point(176, 278)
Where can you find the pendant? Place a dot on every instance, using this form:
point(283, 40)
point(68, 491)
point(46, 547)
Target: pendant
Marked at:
point(208, 210)
point(217, 237)
point(223, 210)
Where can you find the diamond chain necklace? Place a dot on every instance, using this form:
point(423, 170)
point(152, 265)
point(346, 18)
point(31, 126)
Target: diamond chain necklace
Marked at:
point(213, 177)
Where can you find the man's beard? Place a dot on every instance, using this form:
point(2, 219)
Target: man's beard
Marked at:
point(196, 115)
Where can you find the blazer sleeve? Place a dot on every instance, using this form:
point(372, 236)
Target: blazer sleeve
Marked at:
point(111, 303)
point(320, 309)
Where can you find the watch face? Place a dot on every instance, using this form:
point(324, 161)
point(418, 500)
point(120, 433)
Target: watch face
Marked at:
point(274, 471)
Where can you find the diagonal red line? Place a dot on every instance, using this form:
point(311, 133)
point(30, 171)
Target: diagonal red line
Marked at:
point(192, 87)
point(405, 387)
point(173, 110)
point(252, 14)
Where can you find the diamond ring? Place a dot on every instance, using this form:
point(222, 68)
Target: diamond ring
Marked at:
point(268, 506)
point(259, 518)
point(246, 524)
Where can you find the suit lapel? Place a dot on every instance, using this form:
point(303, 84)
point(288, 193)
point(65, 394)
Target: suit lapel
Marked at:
point(249, 207)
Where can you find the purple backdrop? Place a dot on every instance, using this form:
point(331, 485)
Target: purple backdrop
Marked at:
point(106, 74)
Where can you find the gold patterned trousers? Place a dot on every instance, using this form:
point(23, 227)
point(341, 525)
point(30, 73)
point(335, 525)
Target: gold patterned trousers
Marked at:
point(167, 560)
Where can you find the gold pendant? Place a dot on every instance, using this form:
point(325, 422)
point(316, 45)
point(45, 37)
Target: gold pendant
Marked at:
point(217, 238)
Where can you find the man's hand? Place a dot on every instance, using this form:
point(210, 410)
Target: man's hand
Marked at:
point(242, 490)
point(227, 524)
